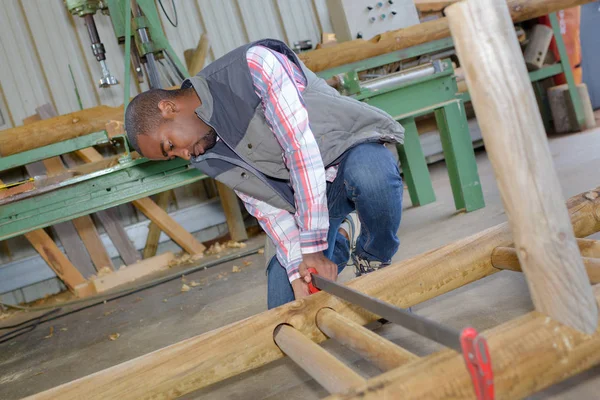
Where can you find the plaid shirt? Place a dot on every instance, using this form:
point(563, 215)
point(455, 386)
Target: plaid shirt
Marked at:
point(280, 83)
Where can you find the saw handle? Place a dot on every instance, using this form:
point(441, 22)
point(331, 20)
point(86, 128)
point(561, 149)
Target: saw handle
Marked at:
point(311, 287)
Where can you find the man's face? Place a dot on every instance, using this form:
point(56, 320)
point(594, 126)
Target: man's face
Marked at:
point(181, 134)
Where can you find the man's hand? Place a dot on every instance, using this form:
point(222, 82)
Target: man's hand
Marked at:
point(324, 266)
point(300, 288)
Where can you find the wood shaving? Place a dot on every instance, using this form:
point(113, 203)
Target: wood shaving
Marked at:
point(104, 271)
point(246, 263)
point(185, 288)
point(235, 245)
point(114, 336)
point(63, 329)
point(51, 333)
point(235, 269)
point(165, 300)
point(261, 251)
point(194, 284)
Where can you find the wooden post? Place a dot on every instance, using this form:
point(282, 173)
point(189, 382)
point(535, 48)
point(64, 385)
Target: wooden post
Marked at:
point(373, 347)
point(233, 213)
point(202, 360)
point(517, 146)
point(324, 368)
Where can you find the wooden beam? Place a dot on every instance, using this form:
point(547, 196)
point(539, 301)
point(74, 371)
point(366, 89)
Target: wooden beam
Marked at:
point(233, 213)
point(324, 368)
point(359, 49)
point(528, 354)
point(168, 225)
point(242, 346)
point(507, 258)
point(517, 146)
point(198, 59)
point(132, 272)
point(59, 263)
point(371, 346)
point(115, 231)
point(154, 230)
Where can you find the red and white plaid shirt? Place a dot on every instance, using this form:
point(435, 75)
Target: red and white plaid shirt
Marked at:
point(280, 83)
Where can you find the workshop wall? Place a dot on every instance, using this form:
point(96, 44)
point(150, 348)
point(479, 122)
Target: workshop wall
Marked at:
point(45, 52)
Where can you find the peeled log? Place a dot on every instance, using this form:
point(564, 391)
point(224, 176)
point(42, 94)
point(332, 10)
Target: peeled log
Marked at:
point(357, 50)
point(529, 353)
point(57, 129)
point(242, 346)
point(517, 146)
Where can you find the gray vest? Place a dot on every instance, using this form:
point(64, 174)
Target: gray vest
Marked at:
point(248, 157)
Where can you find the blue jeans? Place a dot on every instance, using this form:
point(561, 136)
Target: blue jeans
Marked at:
point(368, 181)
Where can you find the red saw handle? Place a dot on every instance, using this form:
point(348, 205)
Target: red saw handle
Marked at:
point(312, 288)
point(479, 363)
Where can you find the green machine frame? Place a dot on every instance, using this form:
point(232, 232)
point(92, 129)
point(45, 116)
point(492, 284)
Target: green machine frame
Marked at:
point(60, 199)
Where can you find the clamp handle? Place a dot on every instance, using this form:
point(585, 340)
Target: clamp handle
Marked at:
point(479, 363)
point(311, 286)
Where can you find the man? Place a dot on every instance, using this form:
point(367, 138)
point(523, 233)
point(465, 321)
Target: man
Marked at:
point(299, 155)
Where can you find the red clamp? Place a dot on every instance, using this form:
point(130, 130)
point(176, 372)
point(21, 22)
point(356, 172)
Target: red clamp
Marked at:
point(479, 363)
point(312, 288)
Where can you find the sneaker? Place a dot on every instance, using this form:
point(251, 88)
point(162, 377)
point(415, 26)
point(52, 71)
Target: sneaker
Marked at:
point(351, 225)
point(362, 266)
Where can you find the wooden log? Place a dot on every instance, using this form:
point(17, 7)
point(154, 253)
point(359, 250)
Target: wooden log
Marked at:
point(324, 368)
point(528, 354)
point(371, 346)
point(517, 146)
point(359, 49)
point(507, 258)
point(63, 127)
point(589, 247)
point(242, 346)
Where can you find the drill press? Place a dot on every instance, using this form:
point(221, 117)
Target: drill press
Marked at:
point(86, 9)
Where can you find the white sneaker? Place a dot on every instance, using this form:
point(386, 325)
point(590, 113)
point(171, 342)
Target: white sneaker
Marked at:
point(351, 225)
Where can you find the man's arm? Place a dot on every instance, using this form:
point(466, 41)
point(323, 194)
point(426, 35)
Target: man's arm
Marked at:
point(285, 112)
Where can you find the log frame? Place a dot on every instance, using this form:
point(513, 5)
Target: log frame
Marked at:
point(242, 346)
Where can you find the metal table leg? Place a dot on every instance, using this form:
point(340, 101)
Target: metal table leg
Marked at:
point(414, 166)
point(460, 157)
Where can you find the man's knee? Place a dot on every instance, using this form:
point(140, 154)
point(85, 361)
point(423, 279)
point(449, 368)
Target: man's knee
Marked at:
point(371, 168)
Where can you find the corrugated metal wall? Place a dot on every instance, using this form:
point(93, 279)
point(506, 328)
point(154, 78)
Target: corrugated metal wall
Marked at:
point(41, 43)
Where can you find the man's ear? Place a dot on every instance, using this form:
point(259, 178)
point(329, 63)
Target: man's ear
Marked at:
point(167, 108)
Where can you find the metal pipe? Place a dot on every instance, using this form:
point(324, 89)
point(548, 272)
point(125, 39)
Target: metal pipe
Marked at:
point(374, 348)
point(328, 371)
point(398, 78)
point(151, 66)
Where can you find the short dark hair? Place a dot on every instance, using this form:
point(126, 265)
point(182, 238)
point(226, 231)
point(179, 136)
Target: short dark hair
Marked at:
point(143, 115)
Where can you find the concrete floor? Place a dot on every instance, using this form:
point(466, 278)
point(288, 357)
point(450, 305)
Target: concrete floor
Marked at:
point(146, 322)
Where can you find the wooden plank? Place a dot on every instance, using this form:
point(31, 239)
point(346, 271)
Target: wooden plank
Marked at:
point(517, 146)
point(233, 213)
point(133, 272)
point(168, 225)
point(529, 353)
point(242, 346)
point(432, 6)
point(110, 221)
point(374, 348)
point(359, 49)
point(324, 368)
point(59, 263)
point(589, 247)
point(507, 258)
point(153, 229)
